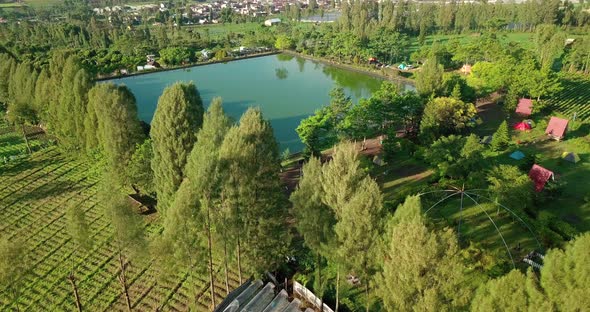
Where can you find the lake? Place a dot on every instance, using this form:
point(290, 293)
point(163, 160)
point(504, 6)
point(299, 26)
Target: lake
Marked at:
point(286, 88)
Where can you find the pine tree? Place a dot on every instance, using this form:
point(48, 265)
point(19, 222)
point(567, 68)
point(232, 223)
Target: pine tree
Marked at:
point(203, 173)
point(129, 237)
point(565, 275)
point(177, 119)
point(112, 119)
point(71, 109)
point(180, 247)
point(358, 229)
point(42, 89)
point(21, 90)
point(6, 71)
point(341, 179)
point(512, 292)
point(13, 267)
point(501, 137)
point(141, 176)
point(79, 232)
point(252, 191)
point(423, 268)
point(429, 78)
point(314, 220)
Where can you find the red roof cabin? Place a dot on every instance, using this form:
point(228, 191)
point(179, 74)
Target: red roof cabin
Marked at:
point(540, 176)
point(556, 128)
point(524, 107)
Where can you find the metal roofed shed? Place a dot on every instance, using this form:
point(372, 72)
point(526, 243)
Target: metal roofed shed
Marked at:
point(253, 297)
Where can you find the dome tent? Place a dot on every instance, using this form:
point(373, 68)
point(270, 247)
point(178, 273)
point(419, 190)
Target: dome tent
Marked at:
point(570, 156)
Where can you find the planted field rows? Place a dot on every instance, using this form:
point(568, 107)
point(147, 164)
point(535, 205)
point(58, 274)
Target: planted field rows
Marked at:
point(34, 195)
point(574, 99)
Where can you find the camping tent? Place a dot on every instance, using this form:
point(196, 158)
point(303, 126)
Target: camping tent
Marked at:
point(522, 126)
point(524, 107)
point(518, 155)
point(540, 176)
point(556, 128)
point(486, 139)
point(377, 160)
point(570, 156)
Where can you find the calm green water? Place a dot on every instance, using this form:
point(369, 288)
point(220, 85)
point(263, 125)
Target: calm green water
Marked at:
point(287, 89)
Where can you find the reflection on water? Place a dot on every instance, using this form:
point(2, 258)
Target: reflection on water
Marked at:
point(281, 73)
point(285, 87)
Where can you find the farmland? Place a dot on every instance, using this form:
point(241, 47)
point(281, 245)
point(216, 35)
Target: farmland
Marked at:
point(573, 99)
point(34, 194)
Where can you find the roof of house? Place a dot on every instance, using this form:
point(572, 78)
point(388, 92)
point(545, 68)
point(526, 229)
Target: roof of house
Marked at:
point(556, 127)
point(540, 176)
point(524, 107)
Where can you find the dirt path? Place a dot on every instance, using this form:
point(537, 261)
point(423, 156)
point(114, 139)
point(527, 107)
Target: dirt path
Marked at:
point(290, 176)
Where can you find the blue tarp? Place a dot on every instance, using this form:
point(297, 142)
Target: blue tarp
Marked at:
point(518, 155)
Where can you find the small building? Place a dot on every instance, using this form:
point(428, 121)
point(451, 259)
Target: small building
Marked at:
point(524, 107)
point(272, 22)
point(540, 176)
point(466, 69)
point(556, 128)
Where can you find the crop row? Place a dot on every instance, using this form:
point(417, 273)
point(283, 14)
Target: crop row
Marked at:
point(33, 197)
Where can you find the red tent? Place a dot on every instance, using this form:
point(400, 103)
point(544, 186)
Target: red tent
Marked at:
point(525, 107)
point(540, 176)
point(522, 126)
point(556, 127)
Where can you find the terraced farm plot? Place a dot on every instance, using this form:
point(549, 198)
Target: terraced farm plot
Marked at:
point(34, 194)
point(575, 98)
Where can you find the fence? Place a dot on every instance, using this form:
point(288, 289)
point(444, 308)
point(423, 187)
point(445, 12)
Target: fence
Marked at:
point(309, 296)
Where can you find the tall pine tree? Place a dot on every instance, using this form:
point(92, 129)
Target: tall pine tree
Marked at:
point(501, 137)
point(314, 219)
point(177, 119)
point(253, 192)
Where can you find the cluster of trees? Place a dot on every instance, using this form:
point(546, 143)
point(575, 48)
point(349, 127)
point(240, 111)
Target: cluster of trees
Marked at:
point(403, 258)
point(216, 183)
point(343, 120)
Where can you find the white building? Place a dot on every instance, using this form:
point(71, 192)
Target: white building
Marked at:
point(272, 21)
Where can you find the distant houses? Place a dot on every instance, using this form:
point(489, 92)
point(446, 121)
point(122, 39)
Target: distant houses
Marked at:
point(556, 128)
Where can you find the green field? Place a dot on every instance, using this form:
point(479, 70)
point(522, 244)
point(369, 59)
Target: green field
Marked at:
point(34, 194)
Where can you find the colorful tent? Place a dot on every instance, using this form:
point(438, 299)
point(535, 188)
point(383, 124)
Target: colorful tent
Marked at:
point(556, 128)
point(522, 126)
point(540, 176)
point(524, 107)
point(570, 156)
point(518, 155)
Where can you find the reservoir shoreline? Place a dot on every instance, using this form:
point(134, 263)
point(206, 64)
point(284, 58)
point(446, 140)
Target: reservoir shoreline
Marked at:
point(250, 56)
point(357, 69)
